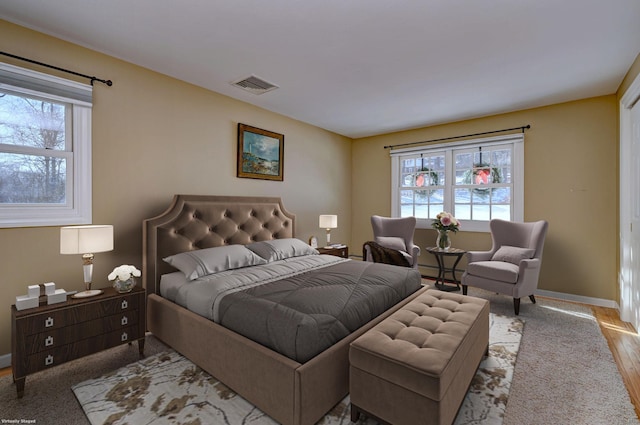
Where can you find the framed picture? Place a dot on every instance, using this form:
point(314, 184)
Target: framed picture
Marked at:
point(260, 153)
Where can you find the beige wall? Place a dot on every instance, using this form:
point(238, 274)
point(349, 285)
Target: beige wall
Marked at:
point(154, 136)
point(571, 169)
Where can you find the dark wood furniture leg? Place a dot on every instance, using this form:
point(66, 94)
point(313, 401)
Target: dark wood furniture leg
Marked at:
point(453, 271)
point(440, 280)
point(20, 386)
point(355, 413)
point(516, 302)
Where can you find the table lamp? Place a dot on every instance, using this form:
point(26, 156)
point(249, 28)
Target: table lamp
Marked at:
point(328, 222)
point(86, 240)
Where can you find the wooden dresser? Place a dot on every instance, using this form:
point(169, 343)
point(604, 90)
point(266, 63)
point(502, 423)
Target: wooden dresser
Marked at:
point(338, 252)
point(49, 335)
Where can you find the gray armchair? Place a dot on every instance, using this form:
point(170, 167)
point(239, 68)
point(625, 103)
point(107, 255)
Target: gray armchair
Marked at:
point(512, 266)
point(396, 234)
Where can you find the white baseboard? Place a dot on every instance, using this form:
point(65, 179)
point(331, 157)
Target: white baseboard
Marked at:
point(600, 302)
point(5, 361)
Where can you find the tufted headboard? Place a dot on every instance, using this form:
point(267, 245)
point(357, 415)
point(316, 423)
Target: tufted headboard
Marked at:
point(200, 221)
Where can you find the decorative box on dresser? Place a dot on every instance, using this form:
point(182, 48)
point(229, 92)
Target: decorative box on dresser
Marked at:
point(49, 335)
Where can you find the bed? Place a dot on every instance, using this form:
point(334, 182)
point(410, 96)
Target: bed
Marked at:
point(289, 391)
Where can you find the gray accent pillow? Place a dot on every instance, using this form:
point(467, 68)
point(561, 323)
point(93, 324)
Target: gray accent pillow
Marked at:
point(279, 249)
point(392, 242)
point(201, 262)
point(512, 254)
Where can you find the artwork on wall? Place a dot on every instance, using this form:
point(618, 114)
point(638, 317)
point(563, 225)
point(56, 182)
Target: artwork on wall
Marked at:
point(260, 153)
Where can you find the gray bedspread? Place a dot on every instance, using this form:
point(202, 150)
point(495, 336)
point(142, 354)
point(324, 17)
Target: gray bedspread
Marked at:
point(309, 309)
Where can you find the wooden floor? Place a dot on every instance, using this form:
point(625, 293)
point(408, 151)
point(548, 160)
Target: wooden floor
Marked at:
point(623, 341)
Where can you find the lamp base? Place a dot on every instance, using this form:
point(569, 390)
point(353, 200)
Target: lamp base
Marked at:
point(89, 293)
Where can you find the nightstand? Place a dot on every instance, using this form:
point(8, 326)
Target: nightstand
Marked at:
point(443, 269)
point(49, 335)
point(338, 252)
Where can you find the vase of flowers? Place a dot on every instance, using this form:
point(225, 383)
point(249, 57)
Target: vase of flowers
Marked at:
point(445, 223)
point(123, 278)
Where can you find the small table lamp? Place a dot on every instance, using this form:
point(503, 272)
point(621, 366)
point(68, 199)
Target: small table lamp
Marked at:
point(328, 222)
point(86, 240)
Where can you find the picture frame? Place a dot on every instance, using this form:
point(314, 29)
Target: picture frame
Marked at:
point(313, 242)
point(260, 153)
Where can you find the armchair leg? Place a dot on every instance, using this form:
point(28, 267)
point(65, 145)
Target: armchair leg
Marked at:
point(464, 289)
point(516, 305)
point(532, 298)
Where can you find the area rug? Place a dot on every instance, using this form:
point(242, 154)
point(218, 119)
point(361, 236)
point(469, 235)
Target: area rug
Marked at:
point(166, 388)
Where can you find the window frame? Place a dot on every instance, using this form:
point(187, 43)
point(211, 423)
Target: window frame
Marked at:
point(77, 209)
point(516, 141)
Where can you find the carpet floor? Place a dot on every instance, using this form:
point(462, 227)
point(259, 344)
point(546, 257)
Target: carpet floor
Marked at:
point(565, 373)
point(168, 389)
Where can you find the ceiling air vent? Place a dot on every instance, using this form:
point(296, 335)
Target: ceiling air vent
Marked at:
point(254, 85)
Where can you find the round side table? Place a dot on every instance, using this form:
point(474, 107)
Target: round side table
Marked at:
point(443, 269)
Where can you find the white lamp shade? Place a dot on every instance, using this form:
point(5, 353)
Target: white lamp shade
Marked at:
point(86, 239)
point(328, 221)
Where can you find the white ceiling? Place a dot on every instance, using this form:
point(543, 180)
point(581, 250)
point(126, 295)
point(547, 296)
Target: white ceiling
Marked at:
point(363, 67)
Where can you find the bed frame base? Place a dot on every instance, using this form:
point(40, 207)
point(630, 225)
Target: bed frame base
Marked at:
point(290, 392)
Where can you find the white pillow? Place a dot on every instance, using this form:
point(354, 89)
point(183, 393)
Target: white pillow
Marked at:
point(392, 242)
point(201, 262)
point(279, 249)
point(512, 254)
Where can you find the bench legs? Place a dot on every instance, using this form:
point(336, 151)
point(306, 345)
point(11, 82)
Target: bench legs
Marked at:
point(356, 412)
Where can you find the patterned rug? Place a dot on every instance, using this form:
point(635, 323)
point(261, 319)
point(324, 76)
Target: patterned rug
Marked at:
point(168, 389)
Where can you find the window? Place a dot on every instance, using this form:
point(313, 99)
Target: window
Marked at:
point(45, 149)
point(475, 180)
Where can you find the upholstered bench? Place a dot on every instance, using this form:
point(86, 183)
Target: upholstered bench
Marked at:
point(415, 366)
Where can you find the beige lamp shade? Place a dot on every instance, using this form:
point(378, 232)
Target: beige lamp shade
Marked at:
point(86, 239)
point(328, 221)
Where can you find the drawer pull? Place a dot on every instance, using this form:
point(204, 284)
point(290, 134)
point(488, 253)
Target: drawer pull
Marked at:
point(48, 322)
point(125, 304)
point(48, 361)
point(124, 321)
point(124, 337)
point(48, 341)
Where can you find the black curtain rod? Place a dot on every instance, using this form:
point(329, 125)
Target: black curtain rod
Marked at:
point(107, 82)
point(523, 128)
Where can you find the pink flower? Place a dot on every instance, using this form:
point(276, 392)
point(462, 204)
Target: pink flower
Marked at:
point(445, 221)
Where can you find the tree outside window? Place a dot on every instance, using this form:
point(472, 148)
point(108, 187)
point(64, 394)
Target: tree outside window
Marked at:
point(30, 130)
